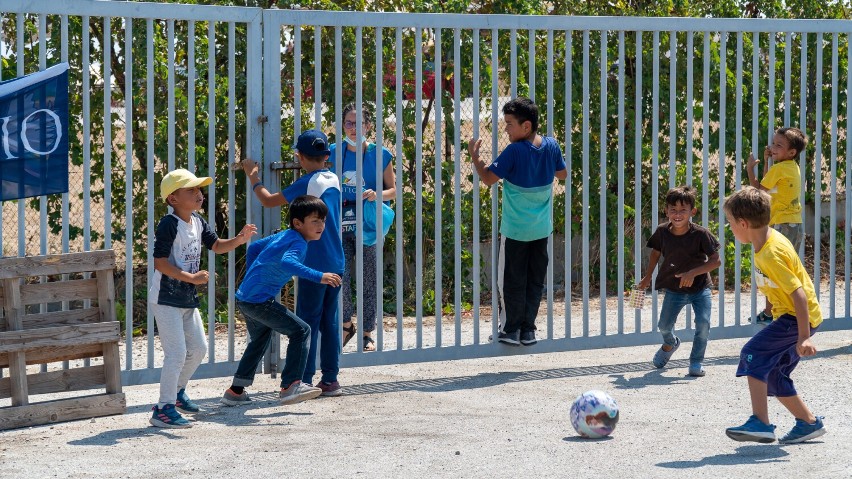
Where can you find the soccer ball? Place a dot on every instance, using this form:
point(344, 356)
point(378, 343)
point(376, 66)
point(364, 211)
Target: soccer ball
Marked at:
point(594, 414)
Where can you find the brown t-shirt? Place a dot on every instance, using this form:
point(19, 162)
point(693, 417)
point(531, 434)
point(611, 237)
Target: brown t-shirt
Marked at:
point(681, 253)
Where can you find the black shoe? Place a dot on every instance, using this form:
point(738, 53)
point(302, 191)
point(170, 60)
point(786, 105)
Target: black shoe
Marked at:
point(528, 338)
point(510, 338)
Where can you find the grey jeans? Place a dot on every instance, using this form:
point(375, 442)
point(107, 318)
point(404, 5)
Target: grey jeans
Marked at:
point(184, 347)
point(368, 295)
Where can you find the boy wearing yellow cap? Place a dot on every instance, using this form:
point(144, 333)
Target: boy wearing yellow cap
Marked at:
point(172, 296)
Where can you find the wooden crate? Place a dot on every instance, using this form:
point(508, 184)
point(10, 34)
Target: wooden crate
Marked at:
point(47, 337)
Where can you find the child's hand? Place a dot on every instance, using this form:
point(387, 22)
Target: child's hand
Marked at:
point(686, 279)
point(752, 162)
point(767, 153)
point(369, 195)
point(249, 167)
point(246, 233)
point(644, 284)
point(331, 279)
point(200, 277)
point(473, 149)
point(805, 348)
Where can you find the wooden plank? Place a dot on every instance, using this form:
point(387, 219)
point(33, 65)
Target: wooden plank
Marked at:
point(60, 318)
point(59, 291)
point(76, 379)
point(57, 264)
point(79, 334)
point(56, 354)
point(112, 368)
point(17, 359)
point(62, 410)
point(106, 305)
point(106, 295)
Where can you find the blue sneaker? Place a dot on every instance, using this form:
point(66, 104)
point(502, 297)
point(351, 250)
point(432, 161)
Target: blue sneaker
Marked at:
point(763, 319)
point(168, 417)
point(803, 431)
point(662, 357)
point(184, 404)
point(753, 430)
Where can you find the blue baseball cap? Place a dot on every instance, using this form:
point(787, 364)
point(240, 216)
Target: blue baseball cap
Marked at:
point(312, 143)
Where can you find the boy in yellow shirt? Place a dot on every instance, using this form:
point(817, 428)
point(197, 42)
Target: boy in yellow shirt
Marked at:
point(769, 357)
point(783, 182)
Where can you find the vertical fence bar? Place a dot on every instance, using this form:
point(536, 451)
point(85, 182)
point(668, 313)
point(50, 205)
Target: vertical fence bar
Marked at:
point(380, 238)
point(818, 166)
point(847, 243)
point(170, 81)
point(832, 228)
point(42, 200)
point(755, 143)
point(569, 224)
point(475, 240)
point(705, 137)
point(20, 20)
point(723, 160)
point(107, 61)
point(551, 125)
point(603, 188)
point(211, 198)
point(495, 127)
point(318, 81)
point(585, 174)
point(231, 196)
point(418, 173)
point(689, 154)
point(66, 240)
point(439, 185)
point(803, 117)
point(531, 65)
point(128, 192)
point(359, 189)
point(788, 61)
point(457, 188)
point(513, 62)
point(338, 121)
point(399, 192)
point(737, 172)
point(149, 148)
point(655, 157)
point(3, 47)
point(637, 179)
point(672, 106)
point(297, 80)
point(621, 238)
point(770, 89)
point(190, 95)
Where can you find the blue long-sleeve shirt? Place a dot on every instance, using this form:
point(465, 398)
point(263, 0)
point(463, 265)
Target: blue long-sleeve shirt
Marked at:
point(271, 262)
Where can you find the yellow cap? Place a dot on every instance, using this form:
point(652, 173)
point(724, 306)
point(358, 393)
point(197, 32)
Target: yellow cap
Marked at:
point(181, 178)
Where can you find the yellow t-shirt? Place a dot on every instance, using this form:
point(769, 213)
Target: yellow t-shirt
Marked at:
point(779, 273)
point(783, 182)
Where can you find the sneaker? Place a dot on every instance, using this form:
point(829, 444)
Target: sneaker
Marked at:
point(753, 430)
point(330, 389)
point(662, 357)
point(696, 369)
point(230, 398)
point(803, 431)
point(298, 392)
point(528, 338)
point(168, 417)
point(763, 319)
point(184, 404)
point(510, 338)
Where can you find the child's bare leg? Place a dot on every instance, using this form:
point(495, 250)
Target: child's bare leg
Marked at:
point(759, 403)
point(768, 308)
point(797, 408)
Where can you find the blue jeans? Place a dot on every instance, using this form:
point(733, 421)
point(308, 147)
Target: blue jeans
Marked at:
point(672, 304)
point(261, 320)
point(317, 305)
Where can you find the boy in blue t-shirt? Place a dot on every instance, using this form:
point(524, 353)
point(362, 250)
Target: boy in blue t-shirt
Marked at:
point(527, 167)
point(270, 263)
point(316, 303)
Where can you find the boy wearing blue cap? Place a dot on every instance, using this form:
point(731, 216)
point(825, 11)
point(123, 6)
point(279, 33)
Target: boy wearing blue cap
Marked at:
point(316, 303)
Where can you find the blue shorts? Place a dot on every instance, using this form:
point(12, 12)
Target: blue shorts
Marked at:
point(770, 356)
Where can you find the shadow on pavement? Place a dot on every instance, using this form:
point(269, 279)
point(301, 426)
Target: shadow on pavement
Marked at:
point(752, 454)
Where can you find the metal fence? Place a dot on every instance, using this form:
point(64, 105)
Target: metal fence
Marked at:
point(434, 82)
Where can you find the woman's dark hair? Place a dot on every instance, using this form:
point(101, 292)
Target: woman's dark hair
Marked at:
point(304, 206)
point(366, 112)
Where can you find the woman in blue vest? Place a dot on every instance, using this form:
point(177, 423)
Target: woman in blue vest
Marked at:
point(373, 188)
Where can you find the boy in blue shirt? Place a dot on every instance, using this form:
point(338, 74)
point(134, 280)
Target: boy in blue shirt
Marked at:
point(527, 167)
point(271, 262)
point(316, 303)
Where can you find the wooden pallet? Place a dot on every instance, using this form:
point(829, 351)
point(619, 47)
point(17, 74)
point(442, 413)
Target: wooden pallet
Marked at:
point(28, 337)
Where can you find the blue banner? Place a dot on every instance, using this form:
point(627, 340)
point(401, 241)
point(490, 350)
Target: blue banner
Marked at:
point(34, 134)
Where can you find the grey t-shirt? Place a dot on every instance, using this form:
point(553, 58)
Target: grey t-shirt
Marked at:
point(681, 253)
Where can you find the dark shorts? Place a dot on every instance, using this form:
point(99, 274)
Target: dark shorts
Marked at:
point(770, 356)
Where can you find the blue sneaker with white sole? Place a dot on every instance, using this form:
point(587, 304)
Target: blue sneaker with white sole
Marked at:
point(753, 430)
point(184, 404)
point(803, 431)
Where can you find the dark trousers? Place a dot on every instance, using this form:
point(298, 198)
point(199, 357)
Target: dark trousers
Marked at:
point(521, 271)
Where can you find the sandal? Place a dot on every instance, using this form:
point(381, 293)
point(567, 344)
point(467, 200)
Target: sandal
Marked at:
point(369, 344)
point(348, 333)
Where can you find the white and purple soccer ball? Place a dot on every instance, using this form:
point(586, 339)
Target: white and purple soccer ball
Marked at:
point(594, 414)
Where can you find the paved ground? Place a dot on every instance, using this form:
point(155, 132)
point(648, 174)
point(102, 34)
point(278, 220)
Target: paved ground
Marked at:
point(500, 417)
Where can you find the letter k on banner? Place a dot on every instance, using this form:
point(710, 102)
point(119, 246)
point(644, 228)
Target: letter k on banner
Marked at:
point(34, 134)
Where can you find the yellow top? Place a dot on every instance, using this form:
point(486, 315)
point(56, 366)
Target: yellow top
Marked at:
point(779, 273)
point(783, 182)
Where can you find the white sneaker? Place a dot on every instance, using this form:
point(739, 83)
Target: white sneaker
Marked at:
point(298, 392)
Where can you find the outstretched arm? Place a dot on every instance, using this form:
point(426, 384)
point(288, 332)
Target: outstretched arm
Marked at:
point(266, 198)
point(485, 175)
